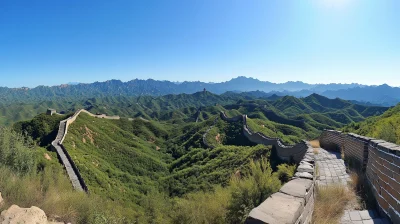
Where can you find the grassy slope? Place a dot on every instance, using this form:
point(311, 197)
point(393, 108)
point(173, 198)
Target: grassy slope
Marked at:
point(124, 162)
point(115, 162)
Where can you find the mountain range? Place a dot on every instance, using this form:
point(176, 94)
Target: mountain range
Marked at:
point(378, 95)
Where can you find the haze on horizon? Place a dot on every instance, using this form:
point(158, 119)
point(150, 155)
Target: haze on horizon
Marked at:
point(315, 41)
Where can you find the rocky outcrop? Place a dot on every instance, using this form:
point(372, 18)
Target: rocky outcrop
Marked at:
point(17, 215)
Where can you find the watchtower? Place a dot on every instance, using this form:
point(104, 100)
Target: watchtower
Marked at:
point(51, 111)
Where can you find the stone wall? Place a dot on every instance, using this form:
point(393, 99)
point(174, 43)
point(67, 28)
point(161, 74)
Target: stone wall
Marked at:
point(331, 140)
point(379, 160)
point(356, 150)
point(230, 119)
point(290, 153)
point(383, 174)
point(68, 163)
point(73, 118)
point(294, 203)
point(74, 175)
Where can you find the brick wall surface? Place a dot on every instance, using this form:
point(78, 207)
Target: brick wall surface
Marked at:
point(355, 147)
point(380, 160)
point(383, 173)
point(331, 140)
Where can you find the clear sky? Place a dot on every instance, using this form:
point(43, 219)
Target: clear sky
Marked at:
point(50, 42)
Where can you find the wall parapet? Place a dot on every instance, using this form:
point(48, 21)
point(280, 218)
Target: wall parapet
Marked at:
point(294, 203)
point(378, 160)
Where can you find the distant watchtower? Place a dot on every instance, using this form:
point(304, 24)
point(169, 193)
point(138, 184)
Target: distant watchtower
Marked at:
point(204, 90)
point(51, 111)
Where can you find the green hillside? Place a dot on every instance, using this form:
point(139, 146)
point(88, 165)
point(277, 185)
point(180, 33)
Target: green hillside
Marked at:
point(385, 126)
point(191, 107)
point(125, 161)
point(152, 166)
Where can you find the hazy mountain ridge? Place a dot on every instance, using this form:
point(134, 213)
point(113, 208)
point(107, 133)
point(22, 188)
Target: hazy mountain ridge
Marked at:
point(154, 87)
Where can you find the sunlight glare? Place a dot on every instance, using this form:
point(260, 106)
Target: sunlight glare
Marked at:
point(336, 4)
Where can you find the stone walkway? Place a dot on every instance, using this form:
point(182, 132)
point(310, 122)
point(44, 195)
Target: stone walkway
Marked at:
point(362, 217)
point(332, 170)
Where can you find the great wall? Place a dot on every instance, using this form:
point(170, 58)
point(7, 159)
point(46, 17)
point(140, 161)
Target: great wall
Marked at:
point(377, 159)
point(294, 202)
point(72, 170)
point(285, 152)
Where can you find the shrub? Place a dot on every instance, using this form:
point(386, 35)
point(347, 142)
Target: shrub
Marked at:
point(250, 191)
point(16, 151)
point(285, 172)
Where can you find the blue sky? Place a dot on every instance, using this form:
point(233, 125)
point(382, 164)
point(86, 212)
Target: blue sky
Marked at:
point(50, 42)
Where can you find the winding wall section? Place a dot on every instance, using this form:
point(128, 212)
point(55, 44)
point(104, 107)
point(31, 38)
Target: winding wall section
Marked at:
point(72, 170)
point(285, 152)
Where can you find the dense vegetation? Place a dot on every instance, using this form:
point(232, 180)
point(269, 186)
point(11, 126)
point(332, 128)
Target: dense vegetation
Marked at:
point(144, 190)
point(155, 168)
point(181, 108)
point(386, 126)
point(42, 128)
point(30, 175)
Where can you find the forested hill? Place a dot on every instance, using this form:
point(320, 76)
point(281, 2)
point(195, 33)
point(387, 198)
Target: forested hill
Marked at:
point(173, 158)
point(187, 107)
point(386, 126)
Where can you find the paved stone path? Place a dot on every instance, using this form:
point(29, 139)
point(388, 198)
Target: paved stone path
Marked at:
point(67, 164)
point(362, 217)
point(332, 170)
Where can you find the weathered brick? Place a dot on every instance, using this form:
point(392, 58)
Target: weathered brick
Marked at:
point(397, 177)
point(393, 183)
point(382, 177)
point(383, 204)
point(394, 192)
point(387, 171)
point(389, 198)
point(396, 161)
point(388, 157)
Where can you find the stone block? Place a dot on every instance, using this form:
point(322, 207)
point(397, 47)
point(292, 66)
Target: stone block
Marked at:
point(279, 208)
point(355, 216)
point(368, 214)
point(303, 175)
point(298, 188)
point(305, 168)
